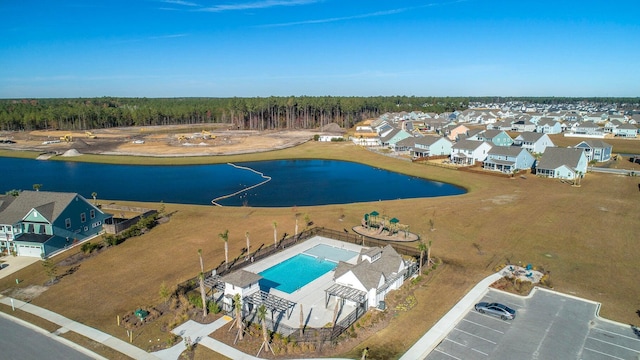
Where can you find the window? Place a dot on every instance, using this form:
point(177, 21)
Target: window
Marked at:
point(92, 214)
point(83, 217)
point(67, 223)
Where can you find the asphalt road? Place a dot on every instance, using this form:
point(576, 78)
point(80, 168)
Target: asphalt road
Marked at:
point(547, 326)
point(21, 343)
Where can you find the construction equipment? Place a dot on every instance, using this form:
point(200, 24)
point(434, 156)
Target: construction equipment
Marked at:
point(90, 135)
point(207, 135)
point(67, 138)
point(182, 138)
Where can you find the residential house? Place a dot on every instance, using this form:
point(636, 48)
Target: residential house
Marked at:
point(626, 130)
point(562, 163)
point(431, 146)
point(548, 125)
point(598, 117)
point(467, 152)
point(393, 136)
point(495, 137)
point(523, 124)
point(535, 143)
point(595, 149)
point(611, 126)
point(378, 271)
point(41, 223)
point(587, 128)
point(508, 159)
point(404, 146)
point(454, 132)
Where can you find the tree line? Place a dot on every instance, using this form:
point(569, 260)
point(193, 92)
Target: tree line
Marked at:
point(294, 112)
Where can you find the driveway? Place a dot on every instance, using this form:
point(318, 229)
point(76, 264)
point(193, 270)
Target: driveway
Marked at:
point(12, 264)
point(548, 325)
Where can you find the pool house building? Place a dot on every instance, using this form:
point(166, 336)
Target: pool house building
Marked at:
point(330, 282)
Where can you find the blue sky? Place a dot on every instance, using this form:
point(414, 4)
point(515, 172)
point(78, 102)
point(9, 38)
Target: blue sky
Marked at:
point(175, 48)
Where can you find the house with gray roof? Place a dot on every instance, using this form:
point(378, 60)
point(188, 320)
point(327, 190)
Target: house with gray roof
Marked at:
point(467, 152)
point(626, 130)
point(508, 159)
point(431, 146)
point(494, 137)
point(378, 271)
point(548, 125)
point(562, 163)
point(394, 136)
point(595, 149)
point(41, 223)
point(535, 143)
point(588, 128)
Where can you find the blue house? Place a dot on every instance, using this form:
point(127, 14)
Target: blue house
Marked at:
point(392, 137)
point(495, 137)
point(597, 150)
point(40, 223)
point(508, 159)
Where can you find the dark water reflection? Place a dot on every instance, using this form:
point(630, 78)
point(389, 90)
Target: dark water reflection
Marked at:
point(293, 182)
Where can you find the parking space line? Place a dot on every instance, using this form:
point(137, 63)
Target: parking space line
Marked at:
point(493, 318)
point(484, 326)
point(455, 342)
point(478, 351)
point(444, 353)
point(605, 354)
point(616, 345)
point(617, 334)
point(474, 335)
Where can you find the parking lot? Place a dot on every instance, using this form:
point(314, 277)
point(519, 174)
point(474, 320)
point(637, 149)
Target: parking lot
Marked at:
point(548, 325)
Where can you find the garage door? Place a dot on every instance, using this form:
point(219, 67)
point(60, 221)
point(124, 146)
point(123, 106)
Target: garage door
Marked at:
point(30, 250)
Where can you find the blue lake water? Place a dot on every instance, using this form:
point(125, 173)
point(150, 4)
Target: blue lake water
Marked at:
point(293, 182)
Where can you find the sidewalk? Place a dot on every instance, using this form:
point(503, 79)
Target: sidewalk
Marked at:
point(84, 330)
point(439, 331)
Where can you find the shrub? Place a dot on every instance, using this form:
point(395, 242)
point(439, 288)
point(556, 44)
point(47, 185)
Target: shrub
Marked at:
point(195, 300)
point(213, 307)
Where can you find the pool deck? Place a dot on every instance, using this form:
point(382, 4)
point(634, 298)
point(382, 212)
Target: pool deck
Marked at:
point(311, 296)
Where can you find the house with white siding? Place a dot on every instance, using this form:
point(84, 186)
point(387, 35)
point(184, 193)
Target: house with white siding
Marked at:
point(548, 125)
point(535, 143)
point(378, 271)
point(467, 152)
point(626, 130)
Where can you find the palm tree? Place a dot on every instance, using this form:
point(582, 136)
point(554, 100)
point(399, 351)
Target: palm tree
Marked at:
point(238, 307)
point(429, 253)
point(262, 316)
point(203, 294)
point(37, 187)
point(422, 247)
point(94, 195)
point(275, 234)
point(225, 237)
point(201, 263)
point(246, 235)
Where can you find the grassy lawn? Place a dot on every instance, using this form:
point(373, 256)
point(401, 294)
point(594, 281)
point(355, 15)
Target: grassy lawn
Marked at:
point(586, 236)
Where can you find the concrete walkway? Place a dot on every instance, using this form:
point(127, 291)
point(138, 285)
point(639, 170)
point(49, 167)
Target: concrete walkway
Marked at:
point(84, 330)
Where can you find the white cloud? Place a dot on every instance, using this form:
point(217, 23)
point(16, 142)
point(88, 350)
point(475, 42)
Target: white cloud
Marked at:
point(256, 5)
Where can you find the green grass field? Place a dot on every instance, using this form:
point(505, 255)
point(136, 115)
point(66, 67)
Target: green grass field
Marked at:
point(586, 236)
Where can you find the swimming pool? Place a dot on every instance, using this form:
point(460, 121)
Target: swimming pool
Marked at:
point(301, 269)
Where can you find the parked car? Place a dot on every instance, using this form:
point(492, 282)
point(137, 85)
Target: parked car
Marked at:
point(496, 309)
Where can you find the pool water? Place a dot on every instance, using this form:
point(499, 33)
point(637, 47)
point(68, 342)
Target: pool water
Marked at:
point(294, 273)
